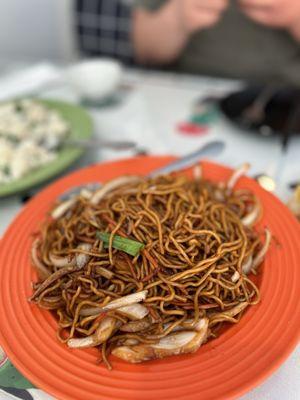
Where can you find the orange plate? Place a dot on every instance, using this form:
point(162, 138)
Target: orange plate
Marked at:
point(224, 368)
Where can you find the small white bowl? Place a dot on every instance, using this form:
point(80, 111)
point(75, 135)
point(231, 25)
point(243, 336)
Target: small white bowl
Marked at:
point(95, 79)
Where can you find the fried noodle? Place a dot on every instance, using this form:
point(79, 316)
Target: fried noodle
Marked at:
point(191, 277)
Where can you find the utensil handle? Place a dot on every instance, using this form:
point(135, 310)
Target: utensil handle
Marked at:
point(96, 142)
point(207, 150)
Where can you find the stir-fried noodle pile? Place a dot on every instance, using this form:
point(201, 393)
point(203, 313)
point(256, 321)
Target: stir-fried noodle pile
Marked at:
point(146, 268)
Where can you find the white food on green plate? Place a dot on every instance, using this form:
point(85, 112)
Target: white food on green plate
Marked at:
point(29, 135)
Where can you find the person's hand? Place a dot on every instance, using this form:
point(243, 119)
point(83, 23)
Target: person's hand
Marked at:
point(160, 36)
point(194, 15)
point(273, 13)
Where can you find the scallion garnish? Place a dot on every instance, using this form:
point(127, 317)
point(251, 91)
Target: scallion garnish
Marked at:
point(129, 246)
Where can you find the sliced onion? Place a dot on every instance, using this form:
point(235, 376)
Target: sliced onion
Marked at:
point(81, 258)
point(42, 271)
point(62, 208)
point(173, 344)
point(131, 310)
point(126, 300)
point(92, 218)
point(103, 332)
point(134, 311)
point(112, 185)
point(201, 325)
point(80, 263)
point(151, 187)
point(197, 172)
point(237, 174)
point(189, 324)
point(82, 343)
point(86, 194)
point(247, 266)
point(60, 262)
point(236, 309)
point(235, 277)
point(176, 340)
point(219, 195)
point(230, 313)
point(89, 311)
point(251, 218)
point(130, 342)
point(105, 272)
point(261, 254)
point(136, 326)
point(51, 279)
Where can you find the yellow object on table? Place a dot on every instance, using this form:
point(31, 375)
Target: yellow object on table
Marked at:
point(294, 202)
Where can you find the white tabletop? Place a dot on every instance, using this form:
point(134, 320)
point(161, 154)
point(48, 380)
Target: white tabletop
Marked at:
point(150, 110)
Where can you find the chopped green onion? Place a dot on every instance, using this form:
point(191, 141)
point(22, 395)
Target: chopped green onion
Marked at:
point(129, 246)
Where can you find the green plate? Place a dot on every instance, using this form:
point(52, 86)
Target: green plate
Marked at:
point(80, 127)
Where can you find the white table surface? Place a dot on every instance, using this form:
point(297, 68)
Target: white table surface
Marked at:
point(148, 114)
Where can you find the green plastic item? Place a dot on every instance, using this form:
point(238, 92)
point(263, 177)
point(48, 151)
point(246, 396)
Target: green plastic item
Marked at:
point(81, 128)
point(11, 377)
point(205, 118)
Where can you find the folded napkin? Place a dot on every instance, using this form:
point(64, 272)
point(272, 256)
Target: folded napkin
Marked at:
point(29, 80)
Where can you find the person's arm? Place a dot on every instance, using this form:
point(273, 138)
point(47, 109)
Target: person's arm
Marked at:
point(295, 31)
point(283, 14)
point(159, 36)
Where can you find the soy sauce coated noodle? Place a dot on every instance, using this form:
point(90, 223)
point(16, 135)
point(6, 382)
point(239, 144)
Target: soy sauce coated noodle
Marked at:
point(190, 274)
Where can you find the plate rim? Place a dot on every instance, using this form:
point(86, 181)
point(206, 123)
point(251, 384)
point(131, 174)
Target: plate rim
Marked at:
point(234, 393)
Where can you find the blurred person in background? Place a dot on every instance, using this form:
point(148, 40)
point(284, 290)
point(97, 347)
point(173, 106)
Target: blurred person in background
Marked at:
point(251, 39)
point(256, 40)
point(104, 28)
